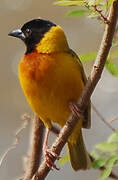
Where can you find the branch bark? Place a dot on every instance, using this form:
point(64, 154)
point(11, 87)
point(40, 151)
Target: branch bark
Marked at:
point(88, 90)
point(36, 149)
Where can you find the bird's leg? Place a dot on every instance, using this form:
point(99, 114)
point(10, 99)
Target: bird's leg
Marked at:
point(75, 110)
point(48, 153)
point(45, 145)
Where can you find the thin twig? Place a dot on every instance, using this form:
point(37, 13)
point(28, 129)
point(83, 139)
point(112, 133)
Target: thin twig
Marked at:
point(99, 11)
point(102, 118)
point(112, 120)
point(17, 138)
point(87, 92)
point(36, 149)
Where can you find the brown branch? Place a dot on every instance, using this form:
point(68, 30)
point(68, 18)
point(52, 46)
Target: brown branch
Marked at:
point(36, 149)
point(101, 57)
point(99, 11)
point(112, 120)
point(87, 92)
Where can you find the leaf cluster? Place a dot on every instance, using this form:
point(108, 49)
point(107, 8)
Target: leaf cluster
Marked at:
point(106, 154)
point(88, 7)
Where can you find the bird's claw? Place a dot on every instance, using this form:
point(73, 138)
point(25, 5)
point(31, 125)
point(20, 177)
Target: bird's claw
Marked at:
point(48, 156)
point(75, 109)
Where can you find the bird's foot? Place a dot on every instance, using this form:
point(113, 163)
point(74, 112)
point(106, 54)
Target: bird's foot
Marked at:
point(75, 110)
point(48, 157)
point(48, 154)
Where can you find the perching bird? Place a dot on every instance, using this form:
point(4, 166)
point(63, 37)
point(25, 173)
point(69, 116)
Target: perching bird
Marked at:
point(52, 77)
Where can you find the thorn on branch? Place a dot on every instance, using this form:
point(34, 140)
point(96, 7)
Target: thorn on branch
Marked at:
point(34, 159)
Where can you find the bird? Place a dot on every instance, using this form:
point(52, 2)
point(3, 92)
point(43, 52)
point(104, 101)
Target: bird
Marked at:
point(52, 78)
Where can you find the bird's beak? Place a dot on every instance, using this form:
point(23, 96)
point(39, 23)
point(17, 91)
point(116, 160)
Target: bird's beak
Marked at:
point(17, 33)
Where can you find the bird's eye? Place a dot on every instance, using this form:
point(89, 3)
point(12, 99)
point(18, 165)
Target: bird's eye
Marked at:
point(28, 32)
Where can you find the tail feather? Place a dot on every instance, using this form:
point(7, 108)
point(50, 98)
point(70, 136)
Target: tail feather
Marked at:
point(79, 157)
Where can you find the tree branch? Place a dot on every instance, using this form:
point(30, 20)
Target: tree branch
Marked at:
point(101, 56)
point(112, 175)
point(87, 92)
point(99, 11)
point(112, 120)
point(36, 149)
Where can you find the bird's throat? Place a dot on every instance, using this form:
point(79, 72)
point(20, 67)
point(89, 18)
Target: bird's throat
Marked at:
point(53, 41)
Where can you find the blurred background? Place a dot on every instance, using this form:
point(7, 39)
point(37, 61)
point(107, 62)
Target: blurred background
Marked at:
point(84, 36)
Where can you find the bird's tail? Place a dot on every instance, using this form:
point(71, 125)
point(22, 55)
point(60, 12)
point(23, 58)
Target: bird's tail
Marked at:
point(79, 157)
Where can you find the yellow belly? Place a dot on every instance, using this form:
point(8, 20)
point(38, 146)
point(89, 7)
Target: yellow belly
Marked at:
point(49, 94)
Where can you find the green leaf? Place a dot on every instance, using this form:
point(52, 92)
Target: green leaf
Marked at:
point(113, 137)
point(104, 174)
point(92, 14)
point(63, 160)
point(116, 163)
point(94, 154)
point(114, 43)
point(70, 3)
point(106, 147)
point(74, 13)
point(111, 160)
point(88, 56)
point(97, 2)
point(116, 30)
point(91, 2)
point(109, 2)
point(108, 167)
point(98, 163)
point(113, 55)
point(112, 67)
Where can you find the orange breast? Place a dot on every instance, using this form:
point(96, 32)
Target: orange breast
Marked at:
point(49, 82)
point(35, 66)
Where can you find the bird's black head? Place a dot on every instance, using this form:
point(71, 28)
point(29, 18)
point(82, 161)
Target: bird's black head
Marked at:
point(32, 32)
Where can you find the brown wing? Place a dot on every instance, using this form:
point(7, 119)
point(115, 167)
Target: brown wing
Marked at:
point(87, 112)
